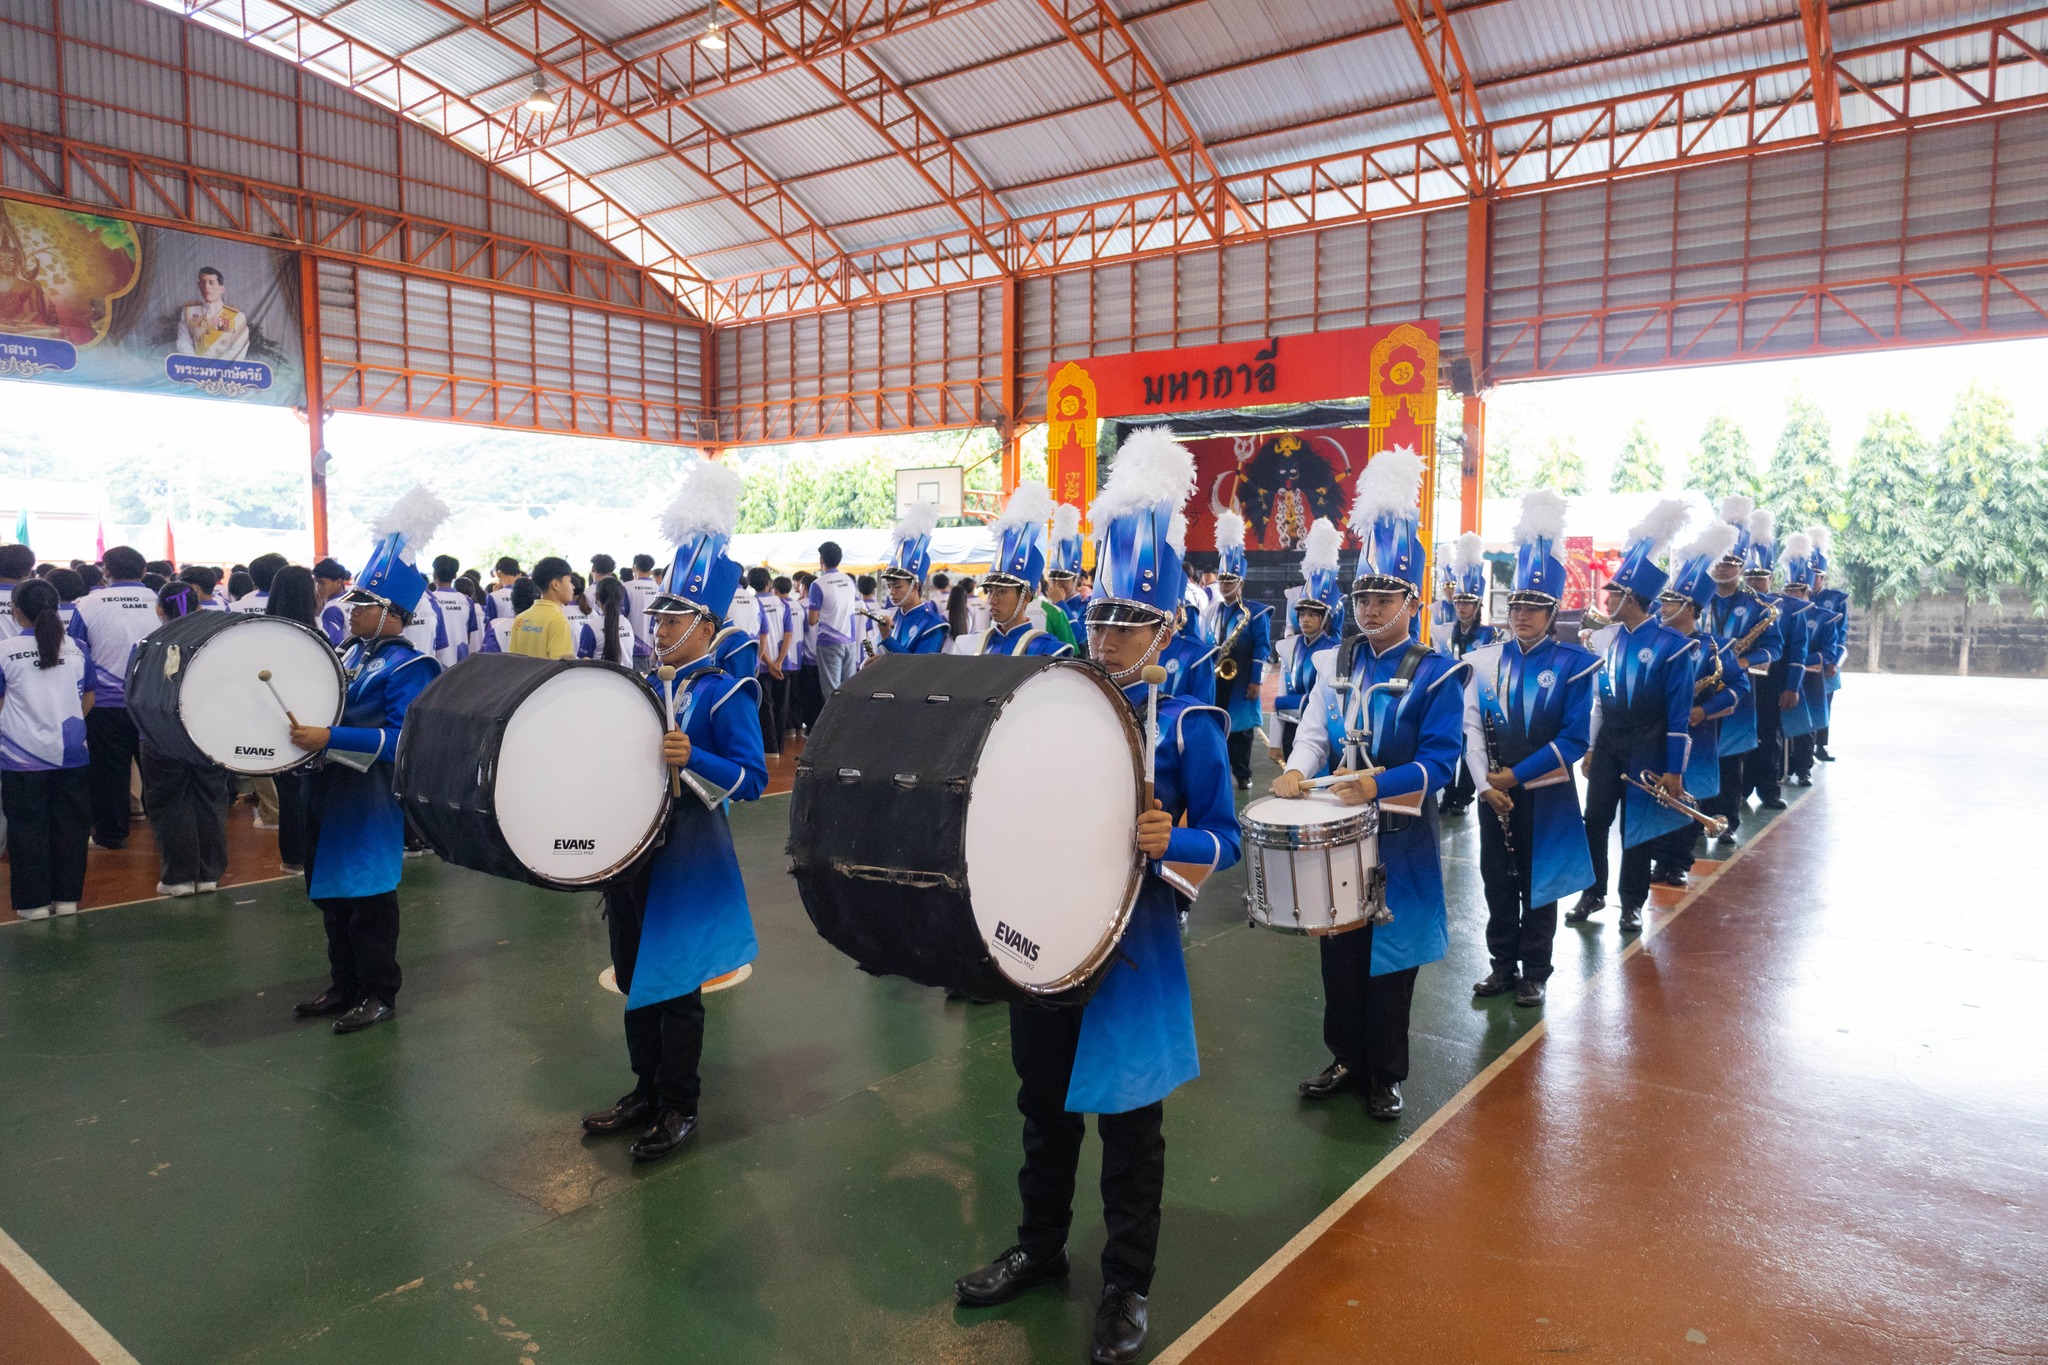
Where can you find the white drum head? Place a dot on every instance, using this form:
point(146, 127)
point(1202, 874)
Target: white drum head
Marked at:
point(1299, 810)
point(1051, 824)
point(232, 717)
point(581, 786)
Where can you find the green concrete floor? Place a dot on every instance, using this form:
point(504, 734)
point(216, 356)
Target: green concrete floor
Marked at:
point(216, 1181)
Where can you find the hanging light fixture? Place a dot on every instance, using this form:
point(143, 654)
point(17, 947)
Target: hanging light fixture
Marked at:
point(540, 101)
point(714, 37)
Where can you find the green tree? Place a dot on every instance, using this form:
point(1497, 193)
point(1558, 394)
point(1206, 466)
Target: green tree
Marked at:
point(1886, 548)
point(1559, 465)
point(1723, 465)
point(1640, 466)
point(1972, 505)
point(1502, 480)
point(2030, 523)
point(1804, 484)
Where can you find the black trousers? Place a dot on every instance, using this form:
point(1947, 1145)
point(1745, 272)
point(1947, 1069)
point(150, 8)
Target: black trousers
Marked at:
point(1365, 1017)
point(111, 740)
point(1240, 745)
point(1673, 852)
point(293, 793)
point(1462, 791)
point(774, 694)
point(1800, 755)
point(1043, 1041)
point(665, 1040)
point(362, 944)
point(187, 805)
point(1734, 795)
point(1764, 769)
point(806, 696)
point(48, 817)
point(1518, 934)
point(1605, 790)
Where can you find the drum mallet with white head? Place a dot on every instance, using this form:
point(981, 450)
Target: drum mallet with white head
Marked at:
point(667, 675)
point(263, 676)
point(1154, 676)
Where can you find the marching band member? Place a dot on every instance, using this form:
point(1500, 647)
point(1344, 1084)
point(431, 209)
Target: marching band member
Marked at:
point(678, 917)
point(1682, 604)
point(355, 828)
point(1801, 577)
point(1765, 769)
point(1189, 662)
point(1133, 1044)
point(1021, 623)
point(1241, 638)
point(1385, 691)
point(1835, 601)
point(1301, 652)
point(1747, 627)
point(1641, 720)
point(1528, 719)
point(1466, 579)
point(920, 627)
point(1063, 572)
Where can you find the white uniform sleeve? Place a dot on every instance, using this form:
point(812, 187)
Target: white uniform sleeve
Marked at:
point(1475, 731)
point(1312, 734)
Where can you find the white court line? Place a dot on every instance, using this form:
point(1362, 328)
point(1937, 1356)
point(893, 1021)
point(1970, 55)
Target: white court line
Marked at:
point(152, 900)
point(1204, 1328)
point(97, 1341)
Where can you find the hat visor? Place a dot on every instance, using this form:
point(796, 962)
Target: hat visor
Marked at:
point(362, 597)
point(1002, 580)
point(668, 604)
point(899, 575)
point(1122, 612)
point(1064, 575)
point(1377, 582)
point(1529, 597)
point(1465, 597)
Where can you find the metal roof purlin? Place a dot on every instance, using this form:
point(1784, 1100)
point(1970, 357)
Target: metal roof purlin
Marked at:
point(1820, 56)
point(1457, 94)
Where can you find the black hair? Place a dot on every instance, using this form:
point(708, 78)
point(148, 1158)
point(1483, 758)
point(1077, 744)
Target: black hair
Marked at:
point(644, 563)
point(38, 601)
point(201, 576)
point(178, 599)
point(293, 596)
point(759, 579)
point(17, 561)
point(241, 583)
point(214, 271)
point(603, 564)
point(829, 554)
point(782, 583)
point(956, 605)
point(445, 567)
point(333, 570)
point(92, 576)
point(865, 584)
point(43, 570)
point(155, 582)
point(524, 594)
point(611, 602)
point(940, 582)
point(507, 564)
point(238, 568)
point(263, 568)
point(70, 585)
point(471, 589)
point(546, 571)
point(163, 567)
point(124, 562)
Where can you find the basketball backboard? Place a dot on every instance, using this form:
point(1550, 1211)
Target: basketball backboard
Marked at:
point(945, 485)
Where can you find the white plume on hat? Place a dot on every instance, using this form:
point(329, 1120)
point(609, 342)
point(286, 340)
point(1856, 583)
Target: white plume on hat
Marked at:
point(1661, 525)
point(1151, 467)
point(1319, 547)
point(1177, 532)
point(1543, 511)
point(1032, 502)
point(1823, 537)
point(1798, 545)
point(1763, 526)
point(707, 501)
point(1469, 551)
point(1066, 521)
point(918, 519)
point(1715, 541)
point(1736, 507)
point(1391, 486)
point(1229, 531)
point(415, 516)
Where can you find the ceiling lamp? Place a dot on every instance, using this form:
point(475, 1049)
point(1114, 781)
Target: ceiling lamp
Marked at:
point(540, 101)
point(714, 38)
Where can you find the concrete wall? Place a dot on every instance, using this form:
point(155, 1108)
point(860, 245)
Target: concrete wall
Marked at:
point(1928, 636)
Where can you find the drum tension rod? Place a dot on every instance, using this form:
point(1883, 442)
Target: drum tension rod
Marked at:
point(906, 780)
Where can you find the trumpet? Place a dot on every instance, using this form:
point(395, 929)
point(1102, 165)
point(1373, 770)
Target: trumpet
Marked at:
point(1646, 781)
point(1592, 618)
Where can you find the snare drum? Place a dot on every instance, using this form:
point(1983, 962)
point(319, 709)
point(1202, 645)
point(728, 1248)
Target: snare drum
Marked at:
point(1312, 865)
point(969, 822)
point(536, 770)
point(194, 693)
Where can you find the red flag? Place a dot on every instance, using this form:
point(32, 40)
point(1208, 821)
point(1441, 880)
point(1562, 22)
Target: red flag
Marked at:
point(100, 540)
point(170, 542)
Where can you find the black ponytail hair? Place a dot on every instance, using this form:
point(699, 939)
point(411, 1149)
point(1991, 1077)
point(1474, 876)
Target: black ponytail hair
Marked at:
point(37, 600)
point(611, 600)
point(177, 599)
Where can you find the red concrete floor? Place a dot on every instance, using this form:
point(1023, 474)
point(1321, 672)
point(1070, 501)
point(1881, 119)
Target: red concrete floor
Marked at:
point(128, 875)
point(1806, 1122)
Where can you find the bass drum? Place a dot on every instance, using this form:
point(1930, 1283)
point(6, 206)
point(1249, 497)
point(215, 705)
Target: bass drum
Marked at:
point(195, 694)
point(970, 822)
point(536, 770)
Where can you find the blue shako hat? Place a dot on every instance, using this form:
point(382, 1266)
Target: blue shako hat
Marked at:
point(1762, 554)
point(1639, 573)
point(1230, 560)
point(1064, 559)
point(1319, 566)
point(1468, 569)
point(390, 576)
point(1539, 573)
point(910, 554)
point(1823, 540)
point(1387, 518)
point(699, 522)
point(1736, 510)
point(1020, 538)
point(1798, 559)
point(1137, 553)
point(1692, 580)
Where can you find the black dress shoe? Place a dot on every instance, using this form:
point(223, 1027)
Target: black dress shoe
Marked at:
point(1119, 1327)
point(1672, 878)
point(1529, 992)
point(1801, 780)
point(1775, 803)
point(1631, 919)
point(1007, 1276)
point(333, 1000)
point(1331, 1080)
point(1725, 840)
point(1497, 982)
point(1823, 755)
point(1384, 1103)
point(1589, 905)
point(630, 1112)
point(369, 1010)
point(669, 1132)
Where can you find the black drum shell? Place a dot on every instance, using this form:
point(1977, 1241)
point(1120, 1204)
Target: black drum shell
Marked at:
point(892, 893)
point(448, 751)
point(153, 700)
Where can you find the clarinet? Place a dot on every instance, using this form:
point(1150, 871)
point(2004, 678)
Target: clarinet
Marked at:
point(1493, 763)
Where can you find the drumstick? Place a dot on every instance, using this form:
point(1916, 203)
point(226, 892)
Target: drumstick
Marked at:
point(263, 676)
point(1318, 783)
point(668, 711)
point(1153, 675)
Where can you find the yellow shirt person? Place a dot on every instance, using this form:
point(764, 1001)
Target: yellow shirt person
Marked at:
point(542, 631)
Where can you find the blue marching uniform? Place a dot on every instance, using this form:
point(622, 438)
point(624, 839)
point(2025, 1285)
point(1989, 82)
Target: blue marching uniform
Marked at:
point(1077, 616)
point(1728, 618)
point(1642, 724)
point(1799, 623)
point(1024, 639)
point(1239, 697)
point(921, 630)
point(1712, 661)
point(1299, 657)
point(1190, 665)
point(736, 653)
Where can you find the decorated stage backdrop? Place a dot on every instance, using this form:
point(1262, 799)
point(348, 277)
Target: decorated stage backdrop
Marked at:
point(101, 302)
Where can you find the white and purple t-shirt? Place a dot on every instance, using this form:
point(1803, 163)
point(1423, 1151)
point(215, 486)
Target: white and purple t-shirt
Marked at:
point(833, 597)
point(109, 623)
point(42, 721)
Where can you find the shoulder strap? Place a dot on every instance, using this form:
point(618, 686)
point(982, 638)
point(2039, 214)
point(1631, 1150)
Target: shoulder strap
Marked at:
point(1410, 662)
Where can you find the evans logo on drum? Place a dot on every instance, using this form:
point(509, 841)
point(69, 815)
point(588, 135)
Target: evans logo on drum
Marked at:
point(251, 751)
point(1015, 944)
point(575, 845)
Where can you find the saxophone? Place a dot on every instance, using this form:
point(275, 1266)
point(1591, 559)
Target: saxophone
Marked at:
point(1226, 666)
point(1712, 684)
point(1755, 632)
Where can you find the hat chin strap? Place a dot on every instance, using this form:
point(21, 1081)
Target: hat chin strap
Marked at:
point(1130, 675)
point(664, 655)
